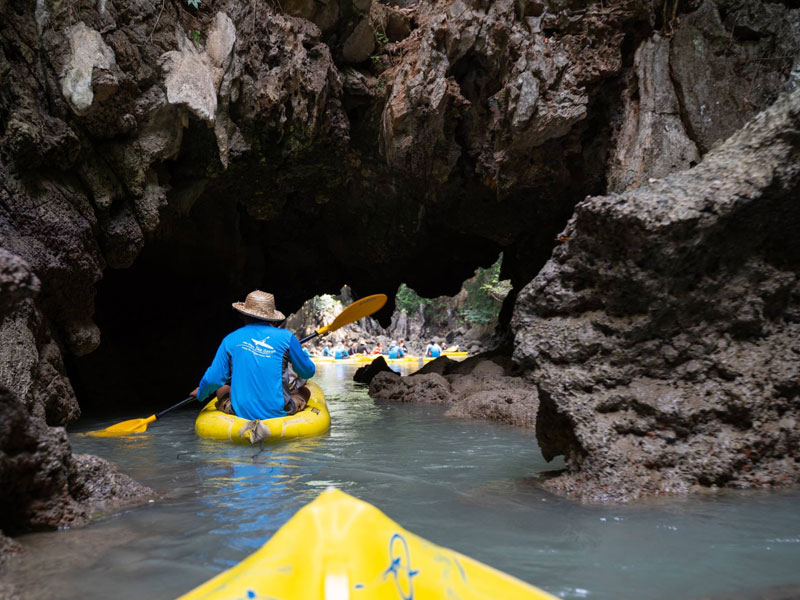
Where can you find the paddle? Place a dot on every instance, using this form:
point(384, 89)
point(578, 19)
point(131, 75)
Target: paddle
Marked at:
point(136, 425)
point(357, 310)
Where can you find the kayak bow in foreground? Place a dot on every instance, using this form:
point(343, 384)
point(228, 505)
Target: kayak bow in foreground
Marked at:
point(341, 548)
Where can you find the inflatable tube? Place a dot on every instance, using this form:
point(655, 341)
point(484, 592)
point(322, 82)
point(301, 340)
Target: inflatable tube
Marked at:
point(339, 547)
point(313, 420)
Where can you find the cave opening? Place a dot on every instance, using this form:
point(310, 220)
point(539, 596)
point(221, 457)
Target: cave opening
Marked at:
point(162, 318)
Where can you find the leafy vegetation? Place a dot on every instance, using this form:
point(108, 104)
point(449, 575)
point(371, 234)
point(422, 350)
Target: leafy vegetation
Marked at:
point(485, 295)
point(408, 301)
point(325, 304)
point(482, 298)
point(194, 3)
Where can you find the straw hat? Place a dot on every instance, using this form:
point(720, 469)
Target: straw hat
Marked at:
point(260, 305)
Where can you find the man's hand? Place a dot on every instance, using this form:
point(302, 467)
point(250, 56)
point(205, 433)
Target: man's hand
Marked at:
point(194, 392)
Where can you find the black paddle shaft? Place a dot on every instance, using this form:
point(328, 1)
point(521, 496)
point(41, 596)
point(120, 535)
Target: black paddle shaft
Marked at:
point(178, 405)
point(309, 337)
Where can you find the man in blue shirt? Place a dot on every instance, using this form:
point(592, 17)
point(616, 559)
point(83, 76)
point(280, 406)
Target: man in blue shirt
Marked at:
point(340, 351)
point(395, 351)
point(259, 386)
point(433, 350)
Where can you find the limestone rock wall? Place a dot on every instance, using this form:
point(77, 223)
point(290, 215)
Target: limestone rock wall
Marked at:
point(697, 83)
point(663, 335)
point(44, 485)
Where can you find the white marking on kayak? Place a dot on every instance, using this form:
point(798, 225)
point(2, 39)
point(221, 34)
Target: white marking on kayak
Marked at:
point(336, 587)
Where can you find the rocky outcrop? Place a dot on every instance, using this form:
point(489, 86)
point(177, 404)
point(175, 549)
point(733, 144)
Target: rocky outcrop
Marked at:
point(663, 336)
point(44, 485)
point(366, 373)
point(245, 136)
point(698, 84)
point(47, 487)
point(482, 392)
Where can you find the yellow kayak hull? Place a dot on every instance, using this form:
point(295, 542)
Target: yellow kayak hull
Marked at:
point(313, 420)
point(406, 359)
point(454, 355)
point(357, 359)
point(341, 548)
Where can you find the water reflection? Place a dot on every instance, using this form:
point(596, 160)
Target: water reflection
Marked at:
point(467, 485)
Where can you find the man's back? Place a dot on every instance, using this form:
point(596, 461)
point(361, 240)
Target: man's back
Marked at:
point(254, 358)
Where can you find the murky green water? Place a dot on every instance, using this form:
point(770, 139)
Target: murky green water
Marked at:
point(466, 485)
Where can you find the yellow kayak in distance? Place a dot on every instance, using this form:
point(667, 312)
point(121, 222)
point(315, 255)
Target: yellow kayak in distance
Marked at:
point(340, 548)
point(455, 355)
point(410, 358)
point(314, 419)
point(356, 359)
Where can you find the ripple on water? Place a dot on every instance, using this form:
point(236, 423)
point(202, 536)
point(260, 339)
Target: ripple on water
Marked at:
point(467, 485)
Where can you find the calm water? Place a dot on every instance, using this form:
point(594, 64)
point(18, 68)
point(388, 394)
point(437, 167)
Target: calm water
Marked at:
point(466, 485)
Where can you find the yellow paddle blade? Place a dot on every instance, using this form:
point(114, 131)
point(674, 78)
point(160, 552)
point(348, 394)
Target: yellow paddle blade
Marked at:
point(124, 428)
point(357, 310)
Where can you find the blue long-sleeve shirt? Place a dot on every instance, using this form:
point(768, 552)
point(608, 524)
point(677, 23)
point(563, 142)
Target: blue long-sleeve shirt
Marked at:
point(253, 360)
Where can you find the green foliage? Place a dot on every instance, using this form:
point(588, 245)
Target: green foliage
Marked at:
point(325, 304)
point(196, 37)
point(408, 301)
point(381, 38)
point(485, 295)
point(194, 3)
point(483, 299)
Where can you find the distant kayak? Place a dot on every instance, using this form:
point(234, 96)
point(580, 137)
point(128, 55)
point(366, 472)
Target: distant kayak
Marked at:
point(313, 420)
point(456, 355)
point(409, 358)
point(339, 547)
point(355, 359)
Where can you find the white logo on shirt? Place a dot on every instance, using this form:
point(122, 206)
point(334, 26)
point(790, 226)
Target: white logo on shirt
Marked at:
point(258, 347)
point(262, 343)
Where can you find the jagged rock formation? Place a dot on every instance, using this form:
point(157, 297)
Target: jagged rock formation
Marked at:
point(366, 373)
point(480, 389)
point(663, 336)
point(44, 485)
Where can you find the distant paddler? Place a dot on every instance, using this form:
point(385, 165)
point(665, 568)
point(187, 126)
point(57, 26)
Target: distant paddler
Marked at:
point(258, 306)
point(250, 373)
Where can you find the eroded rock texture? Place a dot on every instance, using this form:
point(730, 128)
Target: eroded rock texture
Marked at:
point(302, 147)
point(664, 336)
point(479, 390)
point(45, 486)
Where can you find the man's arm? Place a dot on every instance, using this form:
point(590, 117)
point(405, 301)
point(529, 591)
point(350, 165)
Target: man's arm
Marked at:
point(218, 374)
point(302, 364)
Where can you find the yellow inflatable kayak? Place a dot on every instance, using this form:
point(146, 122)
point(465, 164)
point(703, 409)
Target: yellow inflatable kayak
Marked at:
point(406, 359)
point(340, 548)
point(356, 359)
point(312, 420)
point(455, 355)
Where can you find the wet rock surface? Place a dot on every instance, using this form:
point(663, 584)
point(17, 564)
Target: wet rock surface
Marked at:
point(663, 336)
point(366, 373)
point(44, 485)
point(482, 391)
